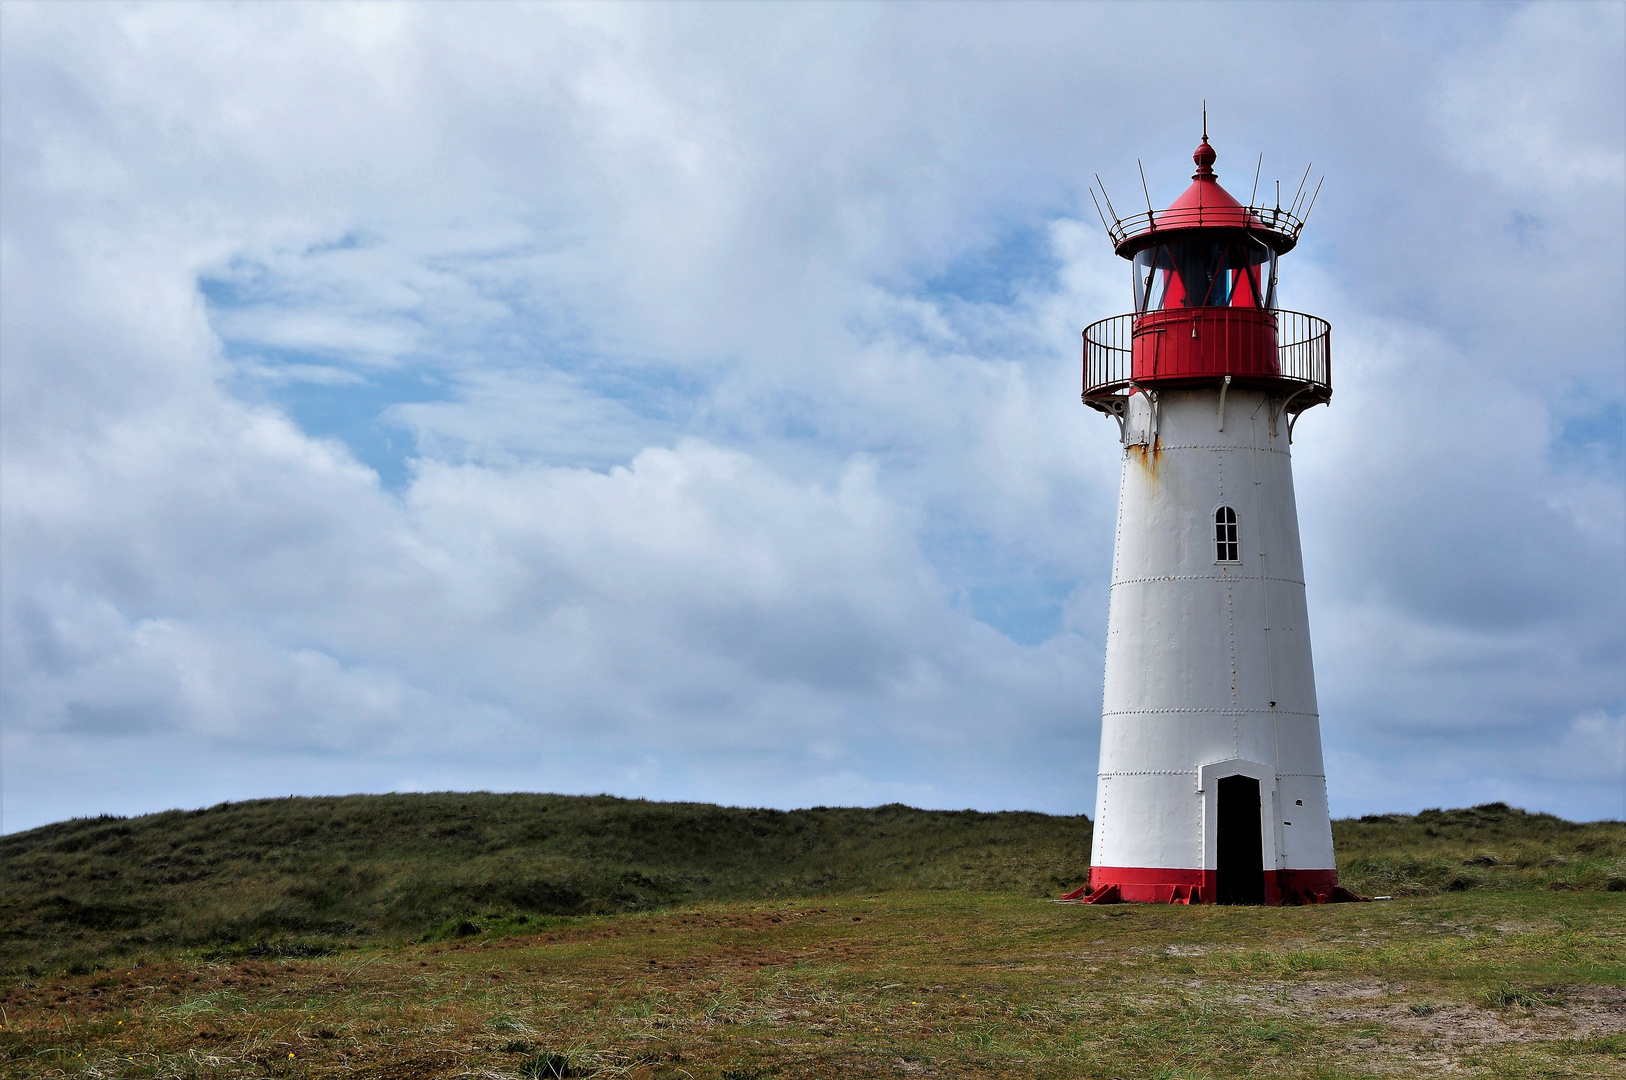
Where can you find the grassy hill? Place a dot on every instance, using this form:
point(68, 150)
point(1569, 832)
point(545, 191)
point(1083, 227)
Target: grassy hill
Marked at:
point(310, 872)
point(304, 875)
point(1486, 847)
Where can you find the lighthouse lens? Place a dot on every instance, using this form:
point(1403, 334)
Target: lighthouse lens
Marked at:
point(1234, 272)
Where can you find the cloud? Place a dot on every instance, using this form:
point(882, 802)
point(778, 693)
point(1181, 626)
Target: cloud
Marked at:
point(681, 401)
point(1538, 108)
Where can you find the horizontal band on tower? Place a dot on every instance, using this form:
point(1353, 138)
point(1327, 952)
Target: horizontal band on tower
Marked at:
point(1193, 772)
point(1184, 875)
point(1208, 577)
point(1218, 712)
point(1164, 448)
point(1186, 885)
point(1147, 772)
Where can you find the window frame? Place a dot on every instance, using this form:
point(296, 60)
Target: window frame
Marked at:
point(1227, 536)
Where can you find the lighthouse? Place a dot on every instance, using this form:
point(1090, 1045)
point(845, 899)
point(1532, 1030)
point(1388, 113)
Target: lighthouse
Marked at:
point(1211, 786)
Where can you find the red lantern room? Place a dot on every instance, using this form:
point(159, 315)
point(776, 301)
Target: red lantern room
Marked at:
point(1205, 304)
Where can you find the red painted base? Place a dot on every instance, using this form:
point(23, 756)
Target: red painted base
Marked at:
point(1142, 885)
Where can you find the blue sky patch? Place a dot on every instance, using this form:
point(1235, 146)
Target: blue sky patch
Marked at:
point(996, 273)
point(348, 406)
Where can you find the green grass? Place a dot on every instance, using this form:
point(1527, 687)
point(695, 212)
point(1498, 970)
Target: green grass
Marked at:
point(280, 876)
point(1495, 984)
point(518, 936)
point(1485, 847)
point(288, 878)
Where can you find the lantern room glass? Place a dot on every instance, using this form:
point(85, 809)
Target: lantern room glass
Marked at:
point(1237, 271)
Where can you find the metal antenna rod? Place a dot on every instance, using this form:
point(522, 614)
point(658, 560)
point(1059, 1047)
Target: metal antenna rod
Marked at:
point(1151, 215)
point(1103, 217)
point(1318, 184)
point(1306, 176)
point(1205, 119)
point(1256, 169)
point(1107, 197)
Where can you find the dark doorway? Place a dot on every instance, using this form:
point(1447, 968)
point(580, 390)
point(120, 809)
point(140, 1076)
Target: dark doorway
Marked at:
point(1240, 859)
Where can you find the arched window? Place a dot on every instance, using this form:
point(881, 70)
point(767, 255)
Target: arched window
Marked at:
point(1225, 545)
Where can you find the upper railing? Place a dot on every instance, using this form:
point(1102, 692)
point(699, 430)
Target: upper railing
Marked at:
point(1268, 219)
point(1303, 351)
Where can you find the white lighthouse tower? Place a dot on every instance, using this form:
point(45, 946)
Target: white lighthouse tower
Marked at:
point(1211, 786)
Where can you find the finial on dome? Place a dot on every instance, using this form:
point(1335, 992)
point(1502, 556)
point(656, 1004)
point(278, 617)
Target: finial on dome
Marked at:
point(1204, 157)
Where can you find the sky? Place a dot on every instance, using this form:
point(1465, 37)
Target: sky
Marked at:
point(681, 401)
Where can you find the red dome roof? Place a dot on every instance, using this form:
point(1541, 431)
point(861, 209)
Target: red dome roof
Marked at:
point(1205, 204)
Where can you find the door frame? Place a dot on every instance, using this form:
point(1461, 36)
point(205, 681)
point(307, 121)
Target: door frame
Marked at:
point(1208, 777)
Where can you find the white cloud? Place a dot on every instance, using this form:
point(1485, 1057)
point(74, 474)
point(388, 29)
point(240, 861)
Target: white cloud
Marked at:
point(1539, 107)
point(729, 450)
